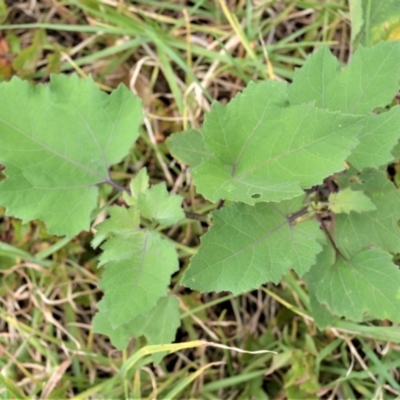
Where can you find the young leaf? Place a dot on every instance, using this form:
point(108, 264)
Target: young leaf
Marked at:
point(349, 200)
point(138, 186)
point(248, 246)
point(154, 203)
point(139, 265)
point(357, 231)
point(369, 81)
point(121, 221)
point(66, 135)
point(366, 284)
point(264, 150)
point(158, 205)
point(158, 326)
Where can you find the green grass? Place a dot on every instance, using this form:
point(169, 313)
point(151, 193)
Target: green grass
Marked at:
point(178, 60)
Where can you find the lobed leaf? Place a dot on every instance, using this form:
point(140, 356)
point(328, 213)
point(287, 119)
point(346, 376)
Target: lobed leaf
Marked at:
point(323, 317)
point(57, 143)
point(188, 147)
point(121, 221)
point(249, 246)
point(138, 186)
point(139, 265)
point(367, 284)
point(377, 140)
point(356, 231)
point(159, 326)
point(154, 203)
point(264, 150)
point(369, 81)
point(347, 200)
point(158, 205)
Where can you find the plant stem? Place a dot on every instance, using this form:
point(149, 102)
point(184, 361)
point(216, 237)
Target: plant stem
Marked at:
point(329, 236)
point(117, 186)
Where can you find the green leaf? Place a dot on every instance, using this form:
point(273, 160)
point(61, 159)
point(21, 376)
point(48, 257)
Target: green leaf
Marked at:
point(158, 205)
point(367, 284)
point(122, 220)
point(188, 147)
point(265, 150)
point(66, 135)
point(357, 231)
point(322, 316)
point(101, 324)
point(154, 203)
point(158, 326)
point(396, 152)
point(381, 21)
point(25, 63)
point(138, 186)
point(248, 246)
point(379, 136)
point(369, 81)
point(139, 265)
point(302, 364)
point(312, 82)
point(357, 18)
point(349, 200)
point(3, 12)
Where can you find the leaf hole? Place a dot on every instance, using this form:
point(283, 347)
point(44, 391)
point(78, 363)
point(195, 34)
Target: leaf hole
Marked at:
point(255, 196)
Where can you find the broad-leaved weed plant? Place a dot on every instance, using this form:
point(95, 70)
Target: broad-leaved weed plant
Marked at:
point(301, 169)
